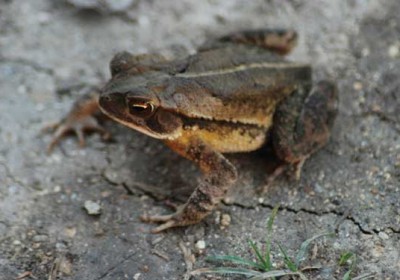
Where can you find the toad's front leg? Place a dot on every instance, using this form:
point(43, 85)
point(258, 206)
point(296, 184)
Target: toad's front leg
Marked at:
point(219, 173)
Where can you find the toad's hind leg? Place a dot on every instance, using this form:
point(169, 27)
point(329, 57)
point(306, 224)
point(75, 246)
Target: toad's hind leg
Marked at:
point(280, 41)
point(303, 122)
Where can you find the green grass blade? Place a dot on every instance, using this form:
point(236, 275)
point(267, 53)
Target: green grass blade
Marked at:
point(267, 253)
point(345, 257)
point(226, 270)
point(259, 255)
point(347, 275)
point(267, 256)
point(304, 247)
point(271, 219)
point(277, 273)
point(235, 260)
point(289, 263)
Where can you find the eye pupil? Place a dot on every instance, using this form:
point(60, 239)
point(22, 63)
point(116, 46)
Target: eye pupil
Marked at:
point(139, 108)
point(142, 110)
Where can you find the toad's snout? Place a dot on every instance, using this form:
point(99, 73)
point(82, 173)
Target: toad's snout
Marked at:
point(112, 103)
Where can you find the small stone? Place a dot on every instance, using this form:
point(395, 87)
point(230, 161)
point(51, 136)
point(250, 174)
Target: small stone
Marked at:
point(374, 191)
point(378, 251)
point(394, 50)
point(358, 86)
point(136, 276)
point(60, 246)
point(40, 238)
point(200, 245)
point(21, 89)
point(92, 208)
point(105, 194)
point(225, 220)
point(17, 242)
point(70, 232)
point(228, 200)
point(66, 266)
point(382, 235)
point(217, 217)
point(365, 52)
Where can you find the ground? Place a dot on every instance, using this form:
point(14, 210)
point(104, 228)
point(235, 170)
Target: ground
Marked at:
point(51, 51)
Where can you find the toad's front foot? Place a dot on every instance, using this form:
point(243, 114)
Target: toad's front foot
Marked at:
point(79, 120)
point(79, 127)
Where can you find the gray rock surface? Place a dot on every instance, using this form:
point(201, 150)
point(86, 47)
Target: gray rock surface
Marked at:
point(50, 51)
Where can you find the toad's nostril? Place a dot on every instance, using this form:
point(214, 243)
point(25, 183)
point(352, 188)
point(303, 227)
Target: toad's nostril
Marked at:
point(106, 98)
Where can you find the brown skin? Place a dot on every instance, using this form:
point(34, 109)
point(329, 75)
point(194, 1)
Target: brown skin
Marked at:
point(224, 99)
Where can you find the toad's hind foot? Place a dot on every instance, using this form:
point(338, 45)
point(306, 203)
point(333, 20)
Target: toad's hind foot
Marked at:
point(177, 219)
point(280, 41)
point(291, 170)
point(303, 123)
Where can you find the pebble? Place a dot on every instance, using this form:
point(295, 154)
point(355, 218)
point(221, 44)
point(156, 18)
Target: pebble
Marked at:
point(70, 232)
point(358, 86)
point(17, 242)
point(225, 220)
point(394, 50)
point(382, 235)
point(40, 238)
point(60, 246)
point(200, 245)
point(92, 208)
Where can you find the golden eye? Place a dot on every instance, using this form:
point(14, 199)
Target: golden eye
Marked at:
point(142, 110)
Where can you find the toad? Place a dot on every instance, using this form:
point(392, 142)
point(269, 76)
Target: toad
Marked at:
point(231, 96)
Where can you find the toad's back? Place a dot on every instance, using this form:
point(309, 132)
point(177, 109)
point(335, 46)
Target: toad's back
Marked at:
point(236, 83)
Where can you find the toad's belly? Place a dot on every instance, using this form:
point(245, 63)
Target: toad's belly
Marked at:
point(225, 137)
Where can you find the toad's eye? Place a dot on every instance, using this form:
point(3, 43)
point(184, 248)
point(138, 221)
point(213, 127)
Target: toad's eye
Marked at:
point(142, 110)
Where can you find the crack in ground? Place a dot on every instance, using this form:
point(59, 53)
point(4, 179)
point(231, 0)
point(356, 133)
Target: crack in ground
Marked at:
point(112, 268)
point(10, 175)
point(346, 215)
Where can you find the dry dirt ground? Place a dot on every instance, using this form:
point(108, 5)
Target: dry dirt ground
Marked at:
point(50, 51)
